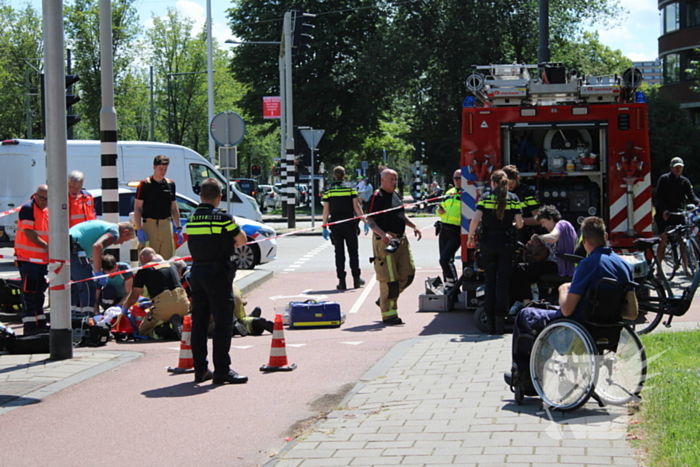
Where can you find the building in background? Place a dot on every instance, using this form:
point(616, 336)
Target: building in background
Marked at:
point(651, 71)
point(680, 37)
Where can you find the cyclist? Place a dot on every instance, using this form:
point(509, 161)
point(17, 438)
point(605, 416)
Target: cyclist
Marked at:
point(673, 191)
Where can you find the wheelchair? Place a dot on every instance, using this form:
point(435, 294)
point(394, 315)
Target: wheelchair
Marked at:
point(570, 362)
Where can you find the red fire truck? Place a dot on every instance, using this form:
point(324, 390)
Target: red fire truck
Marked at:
point(581, 141)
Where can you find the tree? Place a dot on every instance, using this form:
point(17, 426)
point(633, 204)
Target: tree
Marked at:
point(21, 48)
point(589, 57)
point(82, 29)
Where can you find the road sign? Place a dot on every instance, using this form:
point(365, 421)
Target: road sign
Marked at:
point(364, 165)
point(227, 128)
point(312, 137)
point(272, 107)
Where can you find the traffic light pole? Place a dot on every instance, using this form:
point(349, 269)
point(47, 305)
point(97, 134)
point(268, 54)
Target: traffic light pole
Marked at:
point(61, 336)
point(289, 118)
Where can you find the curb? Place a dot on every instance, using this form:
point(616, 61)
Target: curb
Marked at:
point(253, 281)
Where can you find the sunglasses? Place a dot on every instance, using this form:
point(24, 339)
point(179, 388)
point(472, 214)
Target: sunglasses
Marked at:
point(42, 198)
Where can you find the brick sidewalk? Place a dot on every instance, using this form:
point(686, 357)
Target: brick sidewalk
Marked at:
point(442, 401)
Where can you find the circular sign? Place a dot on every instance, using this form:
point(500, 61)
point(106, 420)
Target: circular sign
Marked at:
point(227, 128)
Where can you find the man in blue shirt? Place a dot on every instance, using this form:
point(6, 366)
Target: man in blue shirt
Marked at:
point(600, 263)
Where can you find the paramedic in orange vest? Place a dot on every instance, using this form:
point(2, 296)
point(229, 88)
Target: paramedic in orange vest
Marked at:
point(80, 202)
point(32, 251)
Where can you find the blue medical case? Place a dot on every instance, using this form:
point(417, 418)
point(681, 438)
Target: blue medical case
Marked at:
point(312, 314)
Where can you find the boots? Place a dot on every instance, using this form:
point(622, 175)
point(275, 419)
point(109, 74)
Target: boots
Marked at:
point(357, 281)
point(341, 284)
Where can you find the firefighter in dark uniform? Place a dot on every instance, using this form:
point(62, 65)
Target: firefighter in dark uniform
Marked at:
point(393, 262)
point(497, 210)
point(340, 203)
point(450, 238)
point(528, 201)
point(212, 236)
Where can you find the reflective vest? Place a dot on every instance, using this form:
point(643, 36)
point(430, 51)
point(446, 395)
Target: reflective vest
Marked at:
point(452, 206)
point(25, 248)
point(81, 208)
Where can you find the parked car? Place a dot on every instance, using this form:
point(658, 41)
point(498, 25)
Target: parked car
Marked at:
point(274, 197)
point(281, 187)
point(303, 194)
point(248, 256)
point(250, 187)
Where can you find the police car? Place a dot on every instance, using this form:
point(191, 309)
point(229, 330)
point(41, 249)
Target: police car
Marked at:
point(249, 256)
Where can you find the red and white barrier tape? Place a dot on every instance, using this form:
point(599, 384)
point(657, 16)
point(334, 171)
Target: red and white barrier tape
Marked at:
point(10, 211)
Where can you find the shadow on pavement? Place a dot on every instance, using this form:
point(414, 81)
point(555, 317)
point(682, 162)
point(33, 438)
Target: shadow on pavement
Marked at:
point(21, 366)
point(7, 401)
point(186, 389)
point(377, 326)
point(449, 322)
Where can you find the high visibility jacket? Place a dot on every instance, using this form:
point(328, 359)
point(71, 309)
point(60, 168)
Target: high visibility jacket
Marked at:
point(452, 206)
point(81, 208)
point(25, 248)
point(341, 201)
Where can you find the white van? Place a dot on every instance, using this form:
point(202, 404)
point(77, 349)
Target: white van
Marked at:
point(23, 168)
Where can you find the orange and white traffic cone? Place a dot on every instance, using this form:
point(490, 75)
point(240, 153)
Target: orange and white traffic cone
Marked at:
point(278, 352)
point(186, 362)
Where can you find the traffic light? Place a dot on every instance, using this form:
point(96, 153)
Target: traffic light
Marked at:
point(302, 38)
point(302, 153)
point(70, 100)
point(255, 170)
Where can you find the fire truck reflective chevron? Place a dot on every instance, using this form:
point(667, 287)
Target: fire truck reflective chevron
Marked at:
point(581, 142)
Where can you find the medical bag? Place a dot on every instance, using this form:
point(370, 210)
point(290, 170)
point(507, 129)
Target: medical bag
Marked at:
point(313, 314)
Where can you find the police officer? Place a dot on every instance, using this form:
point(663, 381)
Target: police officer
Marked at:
point(212, 236)
point(32, 242)
point(450, 238)
point(497, 209)
point(340, 203)
point(528, 200)
point(393, 262)
point(154, 208)
point(81, 206)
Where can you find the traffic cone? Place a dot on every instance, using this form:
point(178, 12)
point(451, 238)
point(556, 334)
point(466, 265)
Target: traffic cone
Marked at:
point(278, 352)
point(186, 362)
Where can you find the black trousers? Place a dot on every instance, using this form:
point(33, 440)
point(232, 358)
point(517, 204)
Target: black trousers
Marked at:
point(449, 241)
point(345, 235)
point(525, 274)
point(211, 285)
point(497, 257)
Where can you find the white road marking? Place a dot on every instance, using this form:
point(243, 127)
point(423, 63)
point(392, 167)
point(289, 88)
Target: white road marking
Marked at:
point(300, 262)
point(296, 345)
point(353, 343)
point(360, 301)
point(242, 347)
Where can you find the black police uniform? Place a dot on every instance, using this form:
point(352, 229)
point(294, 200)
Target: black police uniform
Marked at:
point(211, 233)
point(529, 203)
point(497, 243)
point(341, 202)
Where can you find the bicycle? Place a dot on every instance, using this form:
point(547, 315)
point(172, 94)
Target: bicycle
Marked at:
point(681, 242)
point(655, 295)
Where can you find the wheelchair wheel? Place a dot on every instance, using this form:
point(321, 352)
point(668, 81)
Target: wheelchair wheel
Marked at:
point(563, 365)
point(621, 374)
point(480, 320)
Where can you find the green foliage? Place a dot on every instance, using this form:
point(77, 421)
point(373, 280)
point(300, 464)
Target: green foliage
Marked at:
point(589, 57)
point(671, 134)
point(21, 48)
point(82, 30)
point(669, 411)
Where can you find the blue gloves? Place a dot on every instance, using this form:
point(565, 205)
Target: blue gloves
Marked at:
point(366, 228)
point(141, 235)
point(180, 237)
point(124, 310)
point(326, 234)
point(102, 281)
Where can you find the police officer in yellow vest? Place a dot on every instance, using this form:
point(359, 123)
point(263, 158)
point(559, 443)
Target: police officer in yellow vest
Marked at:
point(450, 239)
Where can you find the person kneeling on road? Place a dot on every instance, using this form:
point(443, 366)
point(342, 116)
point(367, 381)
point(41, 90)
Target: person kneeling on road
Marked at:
point(602, 262)
point(170, 304)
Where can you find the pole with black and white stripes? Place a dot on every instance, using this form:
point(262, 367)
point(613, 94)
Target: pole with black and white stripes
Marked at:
point(108, 127)
point(290, 176)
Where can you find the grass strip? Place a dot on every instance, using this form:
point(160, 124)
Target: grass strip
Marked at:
point(669, 415)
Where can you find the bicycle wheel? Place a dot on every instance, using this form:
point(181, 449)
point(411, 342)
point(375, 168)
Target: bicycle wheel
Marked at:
point(672, 259)
point(622, 373)
point(693, 255)
point(651, 297)
point(563, 365)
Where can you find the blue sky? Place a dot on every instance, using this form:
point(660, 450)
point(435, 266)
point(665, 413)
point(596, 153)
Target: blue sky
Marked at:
point(636, 35)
